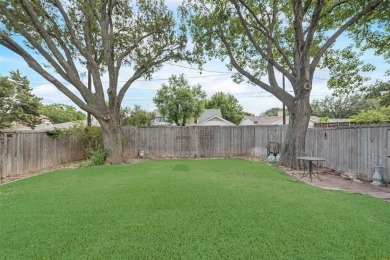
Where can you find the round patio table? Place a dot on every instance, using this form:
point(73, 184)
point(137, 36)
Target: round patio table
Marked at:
point(310, 159)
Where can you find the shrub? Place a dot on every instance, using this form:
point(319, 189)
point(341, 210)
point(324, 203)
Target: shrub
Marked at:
point(370, 116)
point(91, 139)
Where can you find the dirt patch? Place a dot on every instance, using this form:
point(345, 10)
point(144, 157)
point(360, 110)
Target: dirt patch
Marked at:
point(332, 180)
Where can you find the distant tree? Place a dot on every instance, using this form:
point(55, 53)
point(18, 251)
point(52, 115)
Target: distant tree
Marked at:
point(17, 103)
point(370, 116)
point(178, 101)
point(248, 114)
point(380, 90)
point(230, 107)
point(272, 111)
point(343, 106)
point(136, 116)
point(61, 113)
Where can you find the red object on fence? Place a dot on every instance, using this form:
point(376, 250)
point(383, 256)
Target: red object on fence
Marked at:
point(325, 137)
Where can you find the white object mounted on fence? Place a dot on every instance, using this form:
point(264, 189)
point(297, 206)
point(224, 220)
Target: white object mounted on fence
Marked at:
point(377, 177)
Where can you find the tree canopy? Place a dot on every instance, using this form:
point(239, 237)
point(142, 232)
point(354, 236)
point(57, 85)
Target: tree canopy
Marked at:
point(136, 116)
point(178, 101)
point(98, 36)
point(380, 90)
point(342, 106)
point(61, 113)
point(278, 37)
point(17, 103)
point(231, 109)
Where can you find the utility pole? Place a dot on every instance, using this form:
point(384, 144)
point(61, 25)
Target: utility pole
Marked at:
point(284, 107)
point(89, 116)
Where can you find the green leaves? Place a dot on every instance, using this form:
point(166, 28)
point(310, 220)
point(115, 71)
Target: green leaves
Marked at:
point(17, 103)
point(370, 116)
point(230, 108)
point(380, 90)
point(61, 113)
point(178, 101)
point(346, 70)
point(136, 116)
point(342, 106)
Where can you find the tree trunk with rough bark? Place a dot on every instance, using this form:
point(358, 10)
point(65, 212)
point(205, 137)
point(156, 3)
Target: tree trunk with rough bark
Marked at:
point(294, 144)
point(112, 140)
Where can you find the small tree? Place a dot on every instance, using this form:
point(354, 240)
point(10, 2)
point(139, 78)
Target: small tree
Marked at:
point(178, 101)
point(230, 107)
point(136, 116)
point(61, 113)
point(17, 103)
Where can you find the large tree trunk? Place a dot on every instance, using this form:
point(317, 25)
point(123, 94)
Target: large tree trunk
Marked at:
point(294, 143)
point(113, 140)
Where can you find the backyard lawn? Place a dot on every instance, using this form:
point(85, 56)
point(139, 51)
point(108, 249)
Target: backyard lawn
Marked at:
point(188, 209)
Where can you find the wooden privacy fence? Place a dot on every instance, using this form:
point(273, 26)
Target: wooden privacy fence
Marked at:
point(21, 153)
point(201, 141)
point(354, 149)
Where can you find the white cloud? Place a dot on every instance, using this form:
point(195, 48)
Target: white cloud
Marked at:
point(228, 86)
point(51, 94)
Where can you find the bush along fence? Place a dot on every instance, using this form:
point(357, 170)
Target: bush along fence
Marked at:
point(22, 153)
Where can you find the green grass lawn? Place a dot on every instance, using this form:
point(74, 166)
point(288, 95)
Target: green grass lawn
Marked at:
point(199, 209)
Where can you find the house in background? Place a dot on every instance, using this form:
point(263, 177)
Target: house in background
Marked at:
point(273, 120)
point(212, 117)
point(49, 127)
point(159, 120)
point(45, 122)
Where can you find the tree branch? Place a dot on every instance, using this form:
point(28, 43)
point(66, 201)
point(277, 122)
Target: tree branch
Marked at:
point(283, 96)
point(6, 41)
point(371, 6)
point(257, 47)
point(313, 24)
point(80, 48)
point(33, 16)
point(264, 31)
point(131, 48)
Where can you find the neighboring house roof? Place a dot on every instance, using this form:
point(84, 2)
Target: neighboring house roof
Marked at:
point(215, 121)
point(46, 120)
point(45, 127)
point(209, 113)
point(271, 120)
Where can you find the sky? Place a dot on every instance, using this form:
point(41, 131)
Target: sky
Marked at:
point(215, 77)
